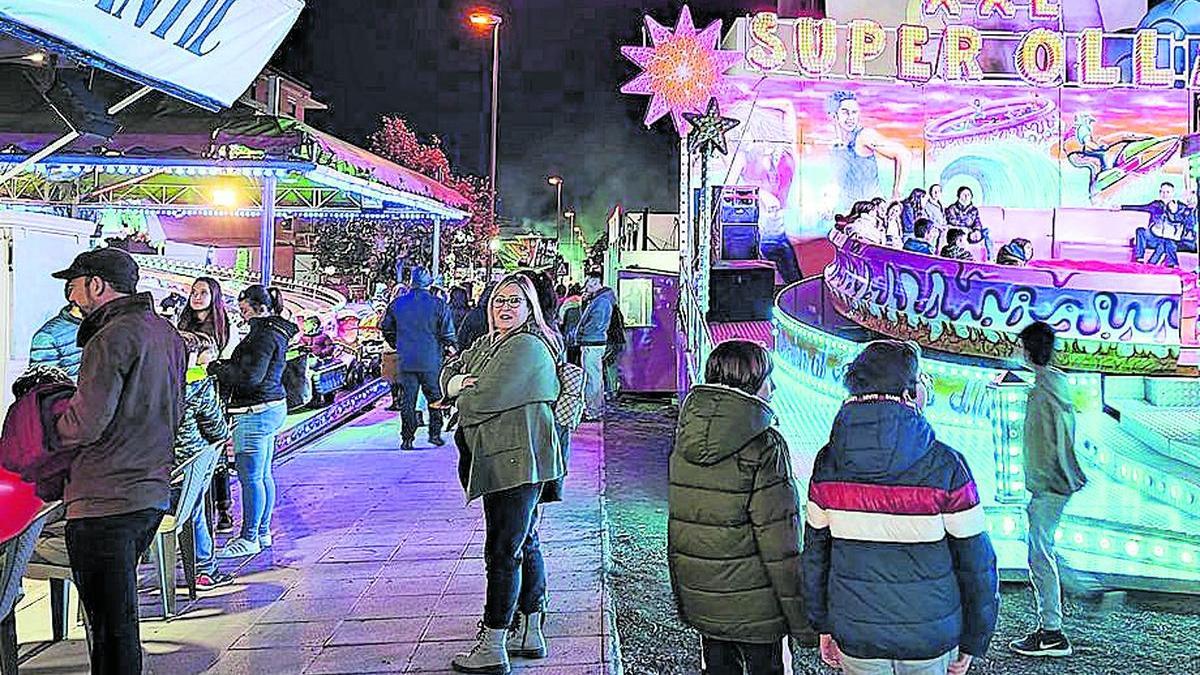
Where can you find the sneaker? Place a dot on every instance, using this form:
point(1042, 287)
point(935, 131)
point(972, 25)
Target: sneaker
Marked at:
point(437, 440)
point(239, 548)
point(1042, 643)
point(407, 445)
point(224, 523)
point(264, 541)
point(207, 582)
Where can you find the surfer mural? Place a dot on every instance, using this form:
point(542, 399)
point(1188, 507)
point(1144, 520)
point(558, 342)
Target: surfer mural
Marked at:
point(1113, 161)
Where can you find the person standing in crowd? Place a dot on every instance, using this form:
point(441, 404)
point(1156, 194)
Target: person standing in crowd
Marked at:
point(919, 241)
point(570, 309)
point(912, 211)
point(1052, 475)
point(460, 305)
point(475, 325)
point(732, 491)
point(1166, 229)
point(205, 313)
point(899, 573)
point(592, 337)
point(119, 428)
point(202, 426)
point(954, 249)
point(253, 376)
point(964, 215)
point(506, 385)
point(55, 343)
point(420, 328)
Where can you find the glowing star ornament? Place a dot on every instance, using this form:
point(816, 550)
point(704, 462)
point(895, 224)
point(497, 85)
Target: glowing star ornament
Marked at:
point(682, 71)
point(708, 130)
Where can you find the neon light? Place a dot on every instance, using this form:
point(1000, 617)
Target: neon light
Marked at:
point(1042, 10)
point(816, 45)
point(1041, 57)
point(1146, 72)
point(1092, 71)
point(953, 8)
point(767, 51)
point(963, 46)
point(866, 44)
point(1005, 8)
point(911, 65)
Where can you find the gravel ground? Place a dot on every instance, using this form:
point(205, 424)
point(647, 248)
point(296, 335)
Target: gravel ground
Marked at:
point(1150, 634)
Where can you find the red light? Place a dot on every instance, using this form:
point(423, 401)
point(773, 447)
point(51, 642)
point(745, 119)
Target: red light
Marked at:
point(484, 19)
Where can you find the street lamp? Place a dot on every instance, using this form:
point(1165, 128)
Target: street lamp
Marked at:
point(557, 182)
point(570, 216)
point(493, 249)
point(484, 21)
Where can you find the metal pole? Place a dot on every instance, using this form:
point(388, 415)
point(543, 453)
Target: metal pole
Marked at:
point(266, 232)
point(437, 248)
point(495, 116)
point(558, 214)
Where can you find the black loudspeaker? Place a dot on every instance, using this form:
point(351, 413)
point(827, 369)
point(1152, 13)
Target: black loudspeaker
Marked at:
point(739, 242)
point(741, 291)
point(737, 221)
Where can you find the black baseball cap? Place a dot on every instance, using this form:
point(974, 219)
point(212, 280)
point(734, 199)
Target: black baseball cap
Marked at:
point(113, 265)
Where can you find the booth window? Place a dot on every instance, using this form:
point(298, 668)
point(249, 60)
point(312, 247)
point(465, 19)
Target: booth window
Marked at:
point(637, 302)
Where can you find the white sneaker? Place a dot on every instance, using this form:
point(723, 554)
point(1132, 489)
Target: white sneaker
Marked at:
point(239, 548)
point(488, 656)
point(526, 639)
point(264, 541)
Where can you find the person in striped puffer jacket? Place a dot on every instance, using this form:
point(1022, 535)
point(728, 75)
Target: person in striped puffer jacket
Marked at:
point(899, 573)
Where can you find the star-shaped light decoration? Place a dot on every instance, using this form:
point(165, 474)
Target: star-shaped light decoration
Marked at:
point(681, 71)
point(709, 129)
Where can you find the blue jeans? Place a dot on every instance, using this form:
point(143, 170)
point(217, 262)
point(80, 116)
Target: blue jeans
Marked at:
point(410, 384)
point(1163, 248)
point(516, 573)
point(938, 666)
point(206, 559)
point(254, 450)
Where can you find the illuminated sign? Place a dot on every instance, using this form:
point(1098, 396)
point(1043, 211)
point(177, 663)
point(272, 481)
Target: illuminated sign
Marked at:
point(862, 49)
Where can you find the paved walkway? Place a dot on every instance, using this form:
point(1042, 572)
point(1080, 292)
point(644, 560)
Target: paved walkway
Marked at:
point(377, 567)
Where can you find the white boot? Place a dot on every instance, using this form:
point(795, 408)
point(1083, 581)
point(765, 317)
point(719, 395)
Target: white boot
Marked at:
point(488, 656)
point(525, 638)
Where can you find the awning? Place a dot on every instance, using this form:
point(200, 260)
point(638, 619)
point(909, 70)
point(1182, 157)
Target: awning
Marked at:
point(207, 52)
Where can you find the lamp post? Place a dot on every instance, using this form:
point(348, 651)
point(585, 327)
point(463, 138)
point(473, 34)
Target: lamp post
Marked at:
point(493, 249)
point(483, 20)
point(557, 182)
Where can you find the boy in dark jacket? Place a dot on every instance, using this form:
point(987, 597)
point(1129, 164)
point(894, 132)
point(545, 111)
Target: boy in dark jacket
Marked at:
point(734, 531)
point(898, 569)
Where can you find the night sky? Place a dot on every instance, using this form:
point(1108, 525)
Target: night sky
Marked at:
point(560, 108)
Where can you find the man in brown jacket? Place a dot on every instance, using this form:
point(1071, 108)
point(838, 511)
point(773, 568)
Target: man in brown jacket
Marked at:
point(119, 429)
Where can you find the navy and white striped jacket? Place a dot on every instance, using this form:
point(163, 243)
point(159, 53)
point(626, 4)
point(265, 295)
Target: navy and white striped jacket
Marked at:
point(897, 561)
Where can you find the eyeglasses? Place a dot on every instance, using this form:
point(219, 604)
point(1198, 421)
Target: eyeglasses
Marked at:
point(513, 301)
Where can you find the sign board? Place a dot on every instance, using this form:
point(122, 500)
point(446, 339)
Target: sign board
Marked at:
point(207, 52)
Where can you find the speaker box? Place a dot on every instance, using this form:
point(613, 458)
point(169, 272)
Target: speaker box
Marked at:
point(739, 242)
point(741, 291)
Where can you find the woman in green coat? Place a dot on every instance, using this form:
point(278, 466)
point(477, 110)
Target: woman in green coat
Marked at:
point(506, 384)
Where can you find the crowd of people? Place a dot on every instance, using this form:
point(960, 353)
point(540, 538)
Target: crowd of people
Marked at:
point(889, 568)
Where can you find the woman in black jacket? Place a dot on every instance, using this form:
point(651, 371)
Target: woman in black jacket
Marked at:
point(253, 376)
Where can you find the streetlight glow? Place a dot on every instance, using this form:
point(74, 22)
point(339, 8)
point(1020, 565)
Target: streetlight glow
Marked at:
point(485, 19)
point(555, 180)
point(494, 245)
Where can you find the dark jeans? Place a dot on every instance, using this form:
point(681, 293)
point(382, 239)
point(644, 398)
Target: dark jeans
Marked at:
point(220, 485)
point(427, 382)
point(104, 557)
point(742, 658)
point(1164, 249)
point(516, 573)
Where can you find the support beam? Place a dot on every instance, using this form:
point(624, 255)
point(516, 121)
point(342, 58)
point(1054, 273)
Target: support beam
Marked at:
point(266, 235)
point(437, 249)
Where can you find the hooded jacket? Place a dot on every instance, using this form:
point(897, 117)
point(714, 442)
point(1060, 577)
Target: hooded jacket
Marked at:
point(733, 538)
point(253, 374)
point(897, 561)
point(56, 344)
point(119, 426)
point(203, 422)
point(1050, 462)
point(592, 330)
point(419, 326)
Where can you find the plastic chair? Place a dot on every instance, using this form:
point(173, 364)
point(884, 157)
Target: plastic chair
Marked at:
point(60, 578)
point(14, 556)
point(197, 474)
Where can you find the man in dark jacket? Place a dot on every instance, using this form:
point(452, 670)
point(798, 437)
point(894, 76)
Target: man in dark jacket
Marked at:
point(898, 568)
point(592, 337)
point(56, 342)
point(733, 539)
point(420, 328)
point(119, 427)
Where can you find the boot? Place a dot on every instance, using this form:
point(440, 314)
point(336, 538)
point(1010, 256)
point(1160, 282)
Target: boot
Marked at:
point(525, 638)
point(488, 656)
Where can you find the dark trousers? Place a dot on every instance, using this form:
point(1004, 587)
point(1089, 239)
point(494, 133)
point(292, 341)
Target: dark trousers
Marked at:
point(410, 383)
point(741, 658)
point(104, 555)
point(516, 573)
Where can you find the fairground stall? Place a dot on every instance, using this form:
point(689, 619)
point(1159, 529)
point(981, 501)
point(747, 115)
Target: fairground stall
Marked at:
point(1055, 123)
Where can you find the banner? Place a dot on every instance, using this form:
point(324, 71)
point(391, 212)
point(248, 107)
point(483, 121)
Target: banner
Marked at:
point(207, 52)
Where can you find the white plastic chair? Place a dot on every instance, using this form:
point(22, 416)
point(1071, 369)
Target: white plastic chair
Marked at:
point(196, 474)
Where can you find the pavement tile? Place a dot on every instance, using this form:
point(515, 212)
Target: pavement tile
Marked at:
point(567, 624)
point(306, 634)
point(459, 605)
point(382, 658)
point(311, 609)
point(452, 628)
point(259, 661)
point(404, 607)
point(434, 657)
point(367, 570)
point(378, 631)
point(341, 554)
point(395, 587)
point(575, 601)
point(471, 584)
point(328, 587)
point(429, 552)
point(419, 569)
